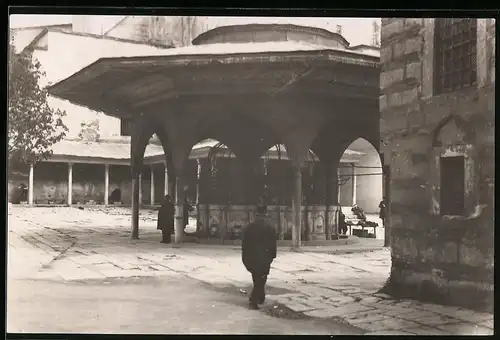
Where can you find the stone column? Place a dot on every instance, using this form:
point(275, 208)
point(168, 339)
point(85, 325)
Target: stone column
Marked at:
point(30, 185)
point(70, 183)
point(353, 173)
point(387, 194)
point(179, 212)
point(296, 205)
point(135, 207)
point(198, 173)
point(165, 185)
point(328, 199)
point(152, 186)
point(140, 189)
point(106, 184)
point(338, 187)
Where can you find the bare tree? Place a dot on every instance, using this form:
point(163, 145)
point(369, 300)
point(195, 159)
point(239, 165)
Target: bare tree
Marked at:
point(187, 29)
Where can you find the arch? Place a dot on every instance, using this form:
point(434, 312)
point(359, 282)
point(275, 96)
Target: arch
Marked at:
point(246, 136)
point(332, 140)
point(142, 132)
point(454, 130)
point(361, 179)
point(221, 177)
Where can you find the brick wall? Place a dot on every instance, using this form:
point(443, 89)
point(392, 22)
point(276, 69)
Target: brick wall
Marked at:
point(434, 255)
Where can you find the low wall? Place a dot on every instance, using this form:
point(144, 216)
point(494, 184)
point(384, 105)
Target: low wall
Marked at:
point(226, 218)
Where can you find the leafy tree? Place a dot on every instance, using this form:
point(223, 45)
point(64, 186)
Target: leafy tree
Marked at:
point(33, 126)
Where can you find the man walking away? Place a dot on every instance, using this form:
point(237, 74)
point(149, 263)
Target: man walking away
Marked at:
point(166, 219)
point(258, 252)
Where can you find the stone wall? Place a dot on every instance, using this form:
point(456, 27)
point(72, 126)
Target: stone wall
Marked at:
point(225, 218)
point(438, 257)
point(50, 183)
point(345, 186)
point(369, 182)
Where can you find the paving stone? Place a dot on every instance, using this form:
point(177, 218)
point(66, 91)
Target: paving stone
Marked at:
point(104, 266)
point(390, 323)
point(43, 275)
point(466, 329)
point(298, 307)
point(435, 320)
point(90, 259)
point(317, 304)
point(319, 313)
point(387, 301)
point(364, 317)
point(472, 316)
point(406, 303)
point(124, 273)
point(445, 310)
point(383, 296)
point(403, 312)
point(392, 308)
point(488, 323)
point(82, 274)
point(346, 309)
point(422, 330)
point(123, 265)
point(412, 314)
point(368, 300)
point(391, 332)
point(462, 314)
point(340, 300)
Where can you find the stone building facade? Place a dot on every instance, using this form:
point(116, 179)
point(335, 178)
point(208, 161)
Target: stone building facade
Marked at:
point(437, 126)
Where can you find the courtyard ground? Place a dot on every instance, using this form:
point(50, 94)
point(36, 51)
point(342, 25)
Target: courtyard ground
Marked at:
point(75, 252)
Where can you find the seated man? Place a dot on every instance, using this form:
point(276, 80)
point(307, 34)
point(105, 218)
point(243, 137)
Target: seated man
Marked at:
point(116, 196)
point(360, 214)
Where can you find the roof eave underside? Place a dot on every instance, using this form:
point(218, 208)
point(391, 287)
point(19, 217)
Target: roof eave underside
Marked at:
point(74, 86)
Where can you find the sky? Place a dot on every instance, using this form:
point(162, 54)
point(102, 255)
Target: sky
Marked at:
point(355, 30)
point(27, 20)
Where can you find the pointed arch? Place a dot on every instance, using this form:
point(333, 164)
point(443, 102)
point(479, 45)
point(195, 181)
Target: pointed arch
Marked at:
point(360, 175)
point(143, 130)
point(459, 128)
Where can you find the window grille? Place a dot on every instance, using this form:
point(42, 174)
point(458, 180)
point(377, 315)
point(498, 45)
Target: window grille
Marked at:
point(455, 54)
point(125, 127)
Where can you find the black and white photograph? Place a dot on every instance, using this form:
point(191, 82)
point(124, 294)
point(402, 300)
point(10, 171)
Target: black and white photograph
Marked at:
point(260, 175)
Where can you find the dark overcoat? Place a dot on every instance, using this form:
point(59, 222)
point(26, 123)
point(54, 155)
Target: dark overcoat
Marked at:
point(187, 208)
point(382, 210)
point(166, 217)
point(259, 246)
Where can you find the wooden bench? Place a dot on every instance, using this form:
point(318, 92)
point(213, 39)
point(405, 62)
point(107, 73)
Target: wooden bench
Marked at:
point(353, 221)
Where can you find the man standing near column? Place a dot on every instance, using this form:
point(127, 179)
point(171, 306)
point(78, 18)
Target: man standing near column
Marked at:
point(258, 252)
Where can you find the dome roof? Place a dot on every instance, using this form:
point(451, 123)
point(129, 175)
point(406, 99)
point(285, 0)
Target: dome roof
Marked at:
point(261, 33)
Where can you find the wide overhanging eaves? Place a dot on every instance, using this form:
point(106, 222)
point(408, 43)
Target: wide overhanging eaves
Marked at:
point(74, 87)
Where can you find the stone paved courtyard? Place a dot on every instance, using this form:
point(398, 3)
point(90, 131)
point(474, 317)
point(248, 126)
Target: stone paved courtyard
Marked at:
point(70, 244)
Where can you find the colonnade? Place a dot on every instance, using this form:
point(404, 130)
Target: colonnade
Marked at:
point(180, 192)
point(69, 198)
